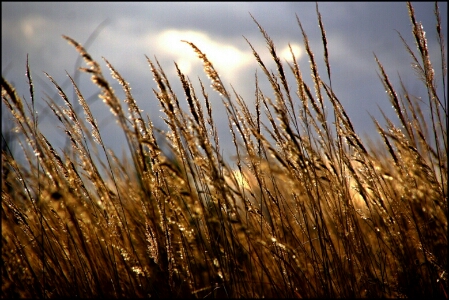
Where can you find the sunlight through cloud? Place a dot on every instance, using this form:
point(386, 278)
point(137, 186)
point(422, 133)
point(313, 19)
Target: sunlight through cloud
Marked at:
point(286, 55)
point(227, 59)
point(31, 25)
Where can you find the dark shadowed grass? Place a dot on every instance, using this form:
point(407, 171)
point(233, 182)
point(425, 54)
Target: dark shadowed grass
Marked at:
point(311, 209)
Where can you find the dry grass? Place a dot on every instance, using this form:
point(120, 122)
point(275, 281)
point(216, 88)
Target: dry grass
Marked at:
point(311, 210)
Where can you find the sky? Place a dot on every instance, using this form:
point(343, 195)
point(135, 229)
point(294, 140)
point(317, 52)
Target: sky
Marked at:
point(124, 32)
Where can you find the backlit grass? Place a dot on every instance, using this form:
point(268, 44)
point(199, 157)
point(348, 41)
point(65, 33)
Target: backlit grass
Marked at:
point(310, 210)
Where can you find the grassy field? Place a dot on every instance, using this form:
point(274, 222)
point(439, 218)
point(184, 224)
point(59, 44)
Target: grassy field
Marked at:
point(310, 210)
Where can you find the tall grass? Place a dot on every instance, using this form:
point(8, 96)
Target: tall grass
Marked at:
point(311, 209)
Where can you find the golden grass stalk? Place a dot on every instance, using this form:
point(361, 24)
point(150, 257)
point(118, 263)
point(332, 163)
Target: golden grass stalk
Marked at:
point(309, 211)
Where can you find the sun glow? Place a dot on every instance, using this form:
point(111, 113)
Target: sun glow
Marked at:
point(226, 58)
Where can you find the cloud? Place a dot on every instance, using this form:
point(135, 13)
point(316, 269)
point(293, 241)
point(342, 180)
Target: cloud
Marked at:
point(227, 59)
point(285, 53)
point(32, 25)
point(354, 32)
